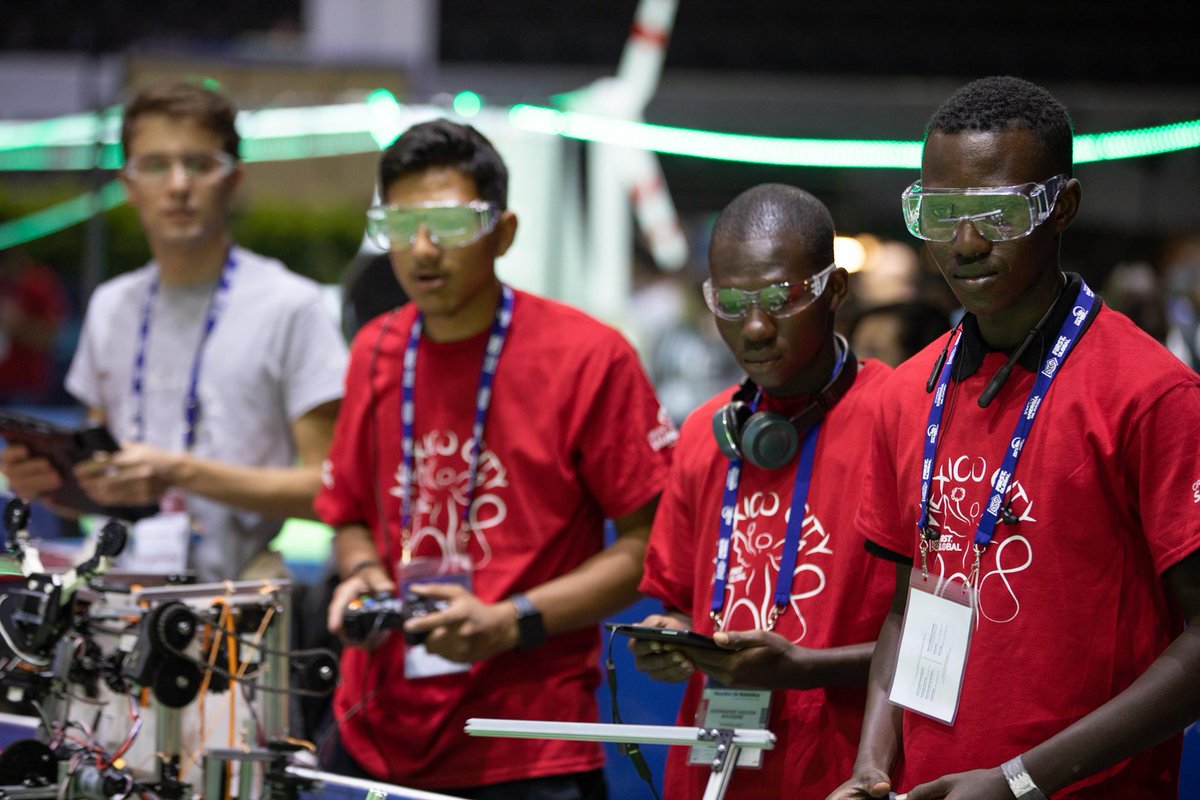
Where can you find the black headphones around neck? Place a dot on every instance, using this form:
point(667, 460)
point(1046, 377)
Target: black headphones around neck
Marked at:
point(768, 439)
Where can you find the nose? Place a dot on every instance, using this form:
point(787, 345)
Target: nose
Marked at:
point(969, 243)
point(178, 178)
point(757, 327)
point(424, 248)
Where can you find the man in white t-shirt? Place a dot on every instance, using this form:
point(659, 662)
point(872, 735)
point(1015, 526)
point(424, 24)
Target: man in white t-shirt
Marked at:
point(218, 370)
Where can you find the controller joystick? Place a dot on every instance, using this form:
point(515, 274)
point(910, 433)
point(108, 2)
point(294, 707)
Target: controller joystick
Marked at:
point(374, 613)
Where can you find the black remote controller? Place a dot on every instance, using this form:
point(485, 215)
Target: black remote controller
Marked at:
point(372, 614)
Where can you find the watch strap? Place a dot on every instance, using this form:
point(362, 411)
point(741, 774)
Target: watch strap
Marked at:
point(531, 630)
point(1019, 781)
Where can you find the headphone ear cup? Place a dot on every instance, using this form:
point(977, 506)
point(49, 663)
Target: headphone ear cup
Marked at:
point(769, 440)
point(727, 425)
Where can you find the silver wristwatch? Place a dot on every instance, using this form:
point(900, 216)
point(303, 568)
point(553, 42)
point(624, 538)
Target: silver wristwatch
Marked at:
point(1019, 782)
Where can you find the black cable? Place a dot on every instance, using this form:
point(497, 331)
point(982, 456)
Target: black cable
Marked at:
point(998, 380)
point(630, 750)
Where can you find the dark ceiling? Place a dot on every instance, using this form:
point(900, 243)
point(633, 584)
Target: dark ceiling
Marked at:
point(1057, 40)
point(1150, 42)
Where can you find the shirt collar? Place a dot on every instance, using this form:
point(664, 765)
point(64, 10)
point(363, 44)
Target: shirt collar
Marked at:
point(972, 349)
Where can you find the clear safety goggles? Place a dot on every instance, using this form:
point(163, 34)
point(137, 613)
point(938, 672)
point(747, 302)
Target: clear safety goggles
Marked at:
point(777, 300)
point(999, 213)
point(448, 224)
point(157, 168)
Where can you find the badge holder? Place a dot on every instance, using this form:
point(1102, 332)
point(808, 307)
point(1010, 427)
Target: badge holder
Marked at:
point(723, 708)
point(728, 742)
point(938, 621)
point(418, 661)
point(162, 543)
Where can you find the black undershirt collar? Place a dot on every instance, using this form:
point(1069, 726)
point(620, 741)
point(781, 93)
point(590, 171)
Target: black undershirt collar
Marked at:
point(973, 348)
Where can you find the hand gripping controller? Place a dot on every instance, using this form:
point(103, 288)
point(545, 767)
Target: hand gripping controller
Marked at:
point(371, 614)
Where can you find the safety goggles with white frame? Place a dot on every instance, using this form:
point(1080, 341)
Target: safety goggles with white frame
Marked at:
point(777, 300)
point(999, 213)
point(154, 169)
point(449, 225)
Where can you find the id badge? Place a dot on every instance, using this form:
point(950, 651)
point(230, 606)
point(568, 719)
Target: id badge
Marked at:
point(418, 661)
point(160, 544)
point(934, 642)
point(721, 707)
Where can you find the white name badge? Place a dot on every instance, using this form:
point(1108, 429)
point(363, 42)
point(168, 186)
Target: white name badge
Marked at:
point(933, 647)
point(420, 663)
point(160, 544)
point(731, 708)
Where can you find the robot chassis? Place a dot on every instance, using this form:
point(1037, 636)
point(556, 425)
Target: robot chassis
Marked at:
point(125, 678)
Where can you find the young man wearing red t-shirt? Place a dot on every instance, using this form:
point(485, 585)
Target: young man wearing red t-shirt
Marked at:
point(1036, 477)
point(486, 435)
point(804, 642)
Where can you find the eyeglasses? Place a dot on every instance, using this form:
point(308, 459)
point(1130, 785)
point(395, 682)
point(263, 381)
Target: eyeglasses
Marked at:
point(448, 224)
point(777, 300)
point(157, 168)
point(999, 213)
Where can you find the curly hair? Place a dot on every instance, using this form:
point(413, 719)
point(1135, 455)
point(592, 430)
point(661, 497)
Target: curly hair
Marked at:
point(1005, 103)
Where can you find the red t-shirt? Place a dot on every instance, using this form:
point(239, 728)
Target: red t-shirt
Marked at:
point(1071, 606)
point(573, 435)
point(840, 594)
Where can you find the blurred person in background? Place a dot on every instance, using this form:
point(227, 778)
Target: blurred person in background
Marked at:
point(369, 288)
point(1182, 291)
point(33, 307)
point(1136, 291)
point(217, 369)
point(895, 332)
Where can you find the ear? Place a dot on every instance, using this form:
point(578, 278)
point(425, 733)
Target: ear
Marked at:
point(506, 231)
point(838, 288)
point(1067, 205)
point(125, 182)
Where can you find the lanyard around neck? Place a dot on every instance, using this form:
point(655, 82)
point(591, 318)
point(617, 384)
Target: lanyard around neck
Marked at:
point(483, 398)
point(1068, 335)
point(795, 524)
point(191, 407)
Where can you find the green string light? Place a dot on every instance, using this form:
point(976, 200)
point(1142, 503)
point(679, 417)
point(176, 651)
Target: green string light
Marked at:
point(467, 104)
point(61, 215)
point(790, 152)
point(69, 143)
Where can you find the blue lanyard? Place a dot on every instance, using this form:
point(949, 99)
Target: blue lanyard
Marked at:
point(795, 524)
point(191, 407)
point(1068, 336)
point(483, 398)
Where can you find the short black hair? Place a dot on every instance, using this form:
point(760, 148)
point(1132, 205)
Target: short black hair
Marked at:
point(442, 143)
point(1005, 103)
point(208, 108)
point(770, 209)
